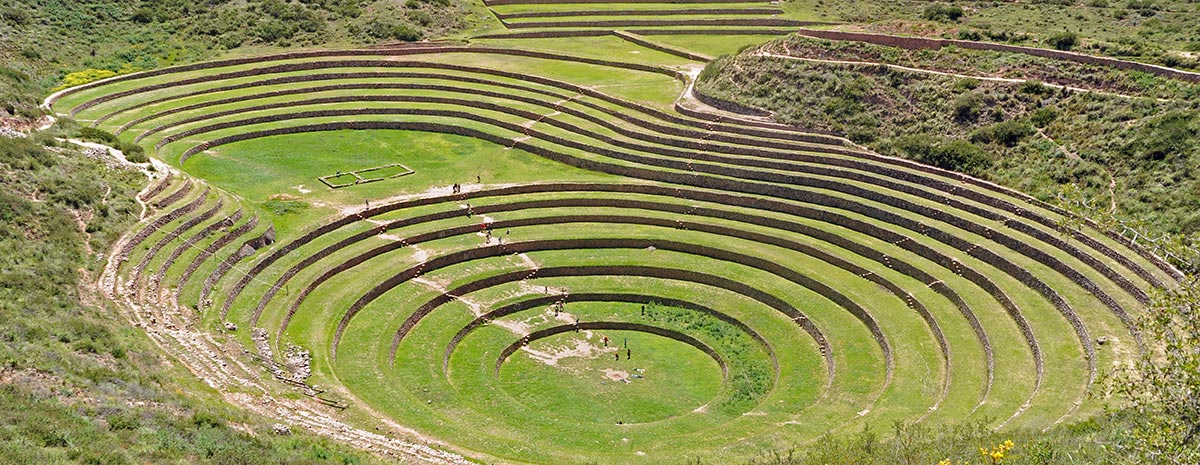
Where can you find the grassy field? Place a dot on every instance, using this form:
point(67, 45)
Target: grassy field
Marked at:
point(588, 265)
point(395, 305)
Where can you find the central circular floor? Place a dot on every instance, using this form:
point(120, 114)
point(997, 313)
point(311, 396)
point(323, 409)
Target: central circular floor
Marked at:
point(637, 378)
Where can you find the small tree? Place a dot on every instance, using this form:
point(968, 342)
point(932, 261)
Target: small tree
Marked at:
point(1163, 385)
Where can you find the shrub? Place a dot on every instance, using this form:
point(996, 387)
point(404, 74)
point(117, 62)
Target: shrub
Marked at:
point(1042, 117)
point(1145, 8)
point(969, 34)
point(966, 84)
point(143, 16)
point(420, 17)
point(273, 31)
point(206, 420)
point(967, 107)
point(123, 421)
point(1063, 40)
point(956, 155)
point(134, 153)
point(1035, 87)
point(231, 40)
point(104, 457)
point(14, 16)
point(1006, 133)
point(1163, 136)
point(13, 75)
point(942, 12)
point(80, 78)
point(862, 135)
point(390, 30)
point(915, 146)
point(99, 136)
point(713, 68)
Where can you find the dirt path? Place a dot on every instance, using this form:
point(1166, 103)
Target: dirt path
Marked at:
point(689, 96)
point(1112, 192)
point(159, 170)
point(1061, 148)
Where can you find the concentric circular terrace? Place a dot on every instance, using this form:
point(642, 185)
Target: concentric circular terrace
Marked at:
point(582, 266)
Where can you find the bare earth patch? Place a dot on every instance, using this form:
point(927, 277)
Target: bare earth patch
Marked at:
point(617, 375)
point(582, 348)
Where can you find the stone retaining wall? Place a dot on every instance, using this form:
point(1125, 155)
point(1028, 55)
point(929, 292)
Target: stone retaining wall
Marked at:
point(247, 249)
point(157, 224)
point(171, 236)
point(226, 222)
point(215, 246)
point(158, 188)
point(175, 196)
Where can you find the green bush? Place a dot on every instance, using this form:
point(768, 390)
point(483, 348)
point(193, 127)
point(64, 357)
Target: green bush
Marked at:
point(14, 16)
point(1042, 117)
point(955, 154)
point(134, 153)
point(942, 12)
point(1063, 40)
point(969, 34)
point(123, 421)
point(1035, 87)
point(420, 17)
point(1007, 133)
point(142, 16)
point(98, 136)
point(1145, 8)
point(713, 68)
point(1167, 136)
point(390, 30)
point(967, 107)
point(206, 420)
point(272, 31)
point(13, 75)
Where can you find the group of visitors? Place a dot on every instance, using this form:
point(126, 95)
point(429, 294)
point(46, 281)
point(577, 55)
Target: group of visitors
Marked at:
point(456, 188)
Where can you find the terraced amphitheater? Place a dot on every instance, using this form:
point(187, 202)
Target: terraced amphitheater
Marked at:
point(565, 256)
